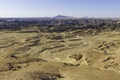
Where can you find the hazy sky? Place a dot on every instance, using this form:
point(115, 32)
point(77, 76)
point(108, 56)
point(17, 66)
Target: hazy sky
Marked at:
point(44, 8)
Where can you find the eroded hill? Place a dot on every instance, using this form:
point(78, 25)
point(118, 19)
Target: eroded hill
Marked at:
point(43, 53)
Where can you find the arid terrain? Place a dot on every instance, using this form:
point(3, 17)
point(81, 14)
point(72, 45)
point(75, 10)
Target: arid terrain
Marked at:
point(86, 49)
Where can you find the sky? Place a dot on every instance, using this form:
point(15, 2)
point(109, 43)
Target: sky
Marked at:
point(50, 8)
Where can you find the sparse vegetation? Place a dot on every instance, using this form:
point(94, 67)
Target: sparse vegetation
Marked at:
point(60, 49)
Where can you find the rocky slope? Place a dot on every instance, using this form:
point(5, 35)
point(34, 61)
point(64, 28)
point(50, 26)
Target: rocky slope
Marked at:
point(74, 54)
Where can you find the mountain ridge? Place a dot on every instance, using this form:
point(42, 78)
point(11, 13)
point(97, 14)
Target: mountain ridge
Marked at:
point(63, 17)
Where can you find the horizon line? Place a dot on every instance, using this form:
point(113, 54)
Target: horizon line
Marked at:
point(55, 16)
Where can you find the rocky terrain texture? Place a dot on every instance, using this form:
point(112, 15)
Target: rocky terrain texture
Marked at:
point(74, 49)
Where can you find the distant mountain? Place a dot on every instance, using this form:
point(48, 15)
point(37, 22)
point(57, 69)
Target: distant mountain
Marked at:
point(63, 17)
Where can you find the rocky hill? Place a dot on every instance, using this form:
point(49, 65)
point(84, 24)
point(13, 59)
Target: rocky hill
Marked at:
point(57, 49)
point(61, 25)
